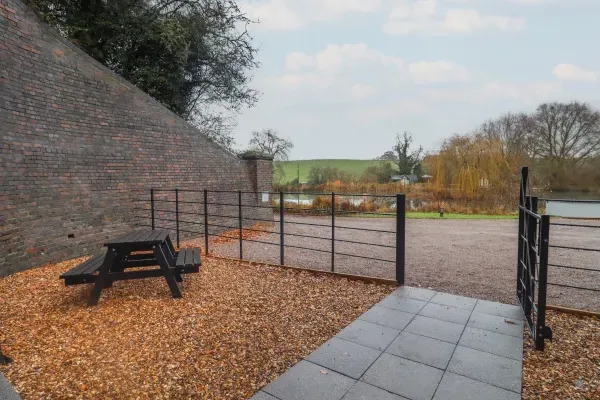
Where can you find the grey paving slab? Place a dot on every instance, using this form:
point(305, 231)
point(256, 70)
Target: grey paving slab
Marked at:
point(454, 301)
point(308, 381)
point(416, 344)
point(446, 313)
point(368, 334)
point(485, 367)
point(263, 396)
point(435, 328)
point(491, 342)
point(415, 293)
point(496, 324)
point(457, 387)
point(345, 357)
point(387, 317)
point(7, 392)
point(433, 352)
point(402, 304)
point(499, 309)
point(404, 377)
point(364, 391)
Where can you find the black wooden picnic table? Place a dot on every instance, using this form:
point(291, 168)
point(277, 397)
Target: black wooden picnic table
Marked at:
point(139, 248)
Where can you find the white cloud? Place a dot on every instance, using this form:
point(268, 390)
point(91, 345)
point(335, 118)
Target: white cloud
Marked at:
point(418, 9)
point(528, 93)
point(273, 14)
point(570, 72)
point(294, 14)
point(340, 7)
point(295, 81)
point(524, 2)
point(393, 109)
point(470, 20)
point(361, 91)
point(336, 57)
point(437, 72)
point(295, 61)
point(420, 18)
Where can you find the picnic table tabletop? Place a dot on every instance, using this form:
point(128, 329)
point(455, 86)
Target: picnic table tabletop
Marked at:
point(144, 237)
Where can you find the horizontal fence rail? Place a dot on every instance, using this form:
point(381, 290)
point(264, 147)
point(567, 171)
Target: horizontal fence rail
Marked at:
point(229, 214)
point(592, 274)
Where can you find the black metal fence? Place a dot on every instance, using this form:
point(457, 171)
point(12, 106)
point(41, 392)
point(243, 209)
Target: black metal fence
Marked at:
point(582, 276)
point(221, 213)
point(532, 263)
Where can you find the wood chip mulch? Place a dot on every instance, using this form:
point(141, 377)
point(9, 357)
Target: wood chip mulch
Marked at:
point(569, 367)
point(236, 329)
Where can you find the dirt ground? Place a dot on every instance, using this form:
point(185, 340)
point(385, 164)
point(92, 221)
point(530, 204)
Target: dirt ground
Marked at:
point(569, 367)
point(236, 328)
point(468, 257)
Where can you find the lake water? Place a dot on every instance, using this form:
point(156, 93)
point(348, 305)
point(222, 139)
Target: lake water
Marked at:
point(573, 208)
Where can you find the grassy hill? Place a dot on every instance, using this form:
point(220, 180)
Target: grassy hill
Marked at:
point(356, 167)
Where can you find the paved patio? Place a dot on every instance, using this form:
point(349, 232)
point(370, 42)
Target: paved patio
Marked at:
point(6, 390)
point(415, 344)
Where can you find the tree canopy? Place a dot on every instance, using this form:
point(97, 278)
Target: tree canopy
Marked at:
point(408, 160)
point(562, 139)
point(193, 56)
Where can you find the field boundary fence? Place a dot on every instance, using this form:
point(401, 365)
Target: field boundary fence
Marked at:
point(228, 214)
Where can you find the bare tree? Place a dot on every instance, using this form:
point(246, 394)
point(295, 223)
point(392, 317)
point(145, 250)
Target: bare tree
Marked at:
point(512, 130)
point(269, 142)
point(218, 127)
point(565, 135)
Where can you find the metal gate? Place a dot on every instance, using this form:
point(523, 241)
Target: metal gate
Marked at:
point(532, 262)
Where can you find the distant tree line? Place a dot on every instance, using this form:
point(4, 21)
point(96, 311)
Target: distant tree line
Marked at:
point(560, 140)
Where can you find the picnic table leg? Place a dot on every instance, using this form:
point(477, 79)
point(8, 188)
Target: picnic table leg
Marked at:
point(177, 276)
point(103, 277)
point(164, 265)
point(171, 255)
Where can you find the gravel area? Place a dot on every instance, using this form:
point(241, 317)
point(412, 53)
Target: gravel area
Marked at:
point(569, 367)
point(468, 257)
point(236, 328)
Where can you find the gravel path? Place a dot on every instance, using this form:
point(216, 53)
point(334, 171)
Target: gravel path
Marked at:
point(468, 257)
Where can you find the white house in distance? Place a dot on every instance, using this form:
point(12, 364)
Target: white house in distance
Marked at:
point(405, 179)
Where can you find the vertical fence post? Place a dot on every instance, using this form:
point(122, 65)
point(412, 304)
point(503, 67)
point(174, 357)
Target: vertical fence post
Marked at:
point(332, 231)
point(540, 329)
point(400, 237)
point(240, 224)
point(152, 205)
point(177, 214)
point(281, 234)
point(522, 191)
point(205, 222)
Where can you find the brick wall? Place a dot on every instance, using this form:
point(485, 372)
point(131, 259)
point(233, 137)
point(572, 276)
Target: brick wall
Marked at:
point(79, 144)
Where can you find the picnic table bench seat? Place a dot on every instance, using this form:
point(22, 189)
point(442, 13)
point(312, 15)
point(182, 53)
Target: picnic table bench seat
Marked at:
point(187, 261)
point(84, 271)
point(188, 258)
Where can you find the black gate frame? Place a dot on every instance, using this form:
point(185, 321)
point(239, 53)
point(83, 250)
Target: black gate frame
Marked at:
point(532, 263)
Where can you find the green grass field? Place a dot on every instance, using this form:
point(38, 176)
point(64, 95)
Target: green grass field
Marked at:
point(356, 167)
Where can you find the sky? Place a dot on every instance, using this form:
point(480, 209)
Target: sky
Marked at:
point(341, 78)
